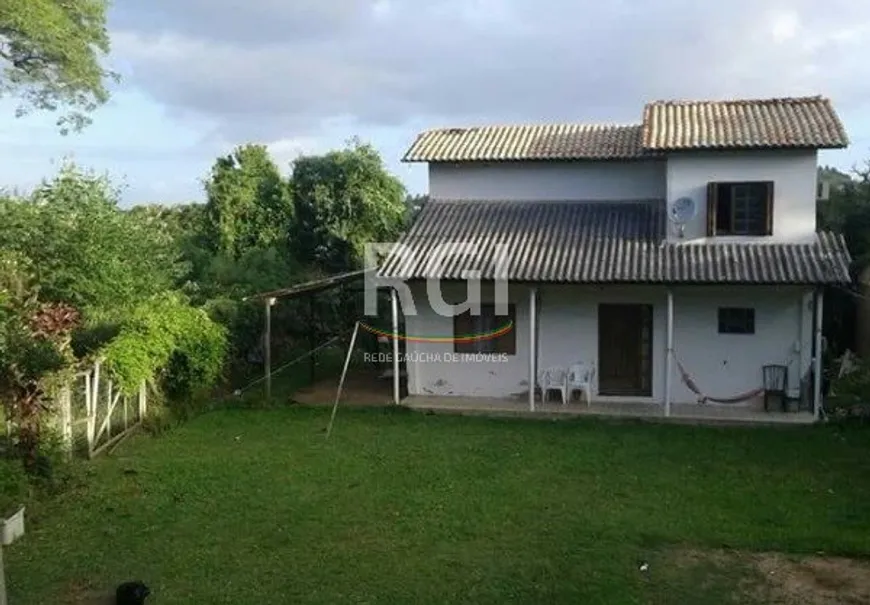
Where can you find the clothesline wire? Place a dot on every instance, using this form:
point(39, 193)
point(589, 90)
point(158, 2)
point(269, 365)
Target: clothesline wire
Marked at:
point(293, 361)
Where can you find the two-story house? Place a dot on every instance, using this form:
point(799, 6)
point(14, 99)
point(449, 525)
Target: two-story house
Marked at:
point(676, 257)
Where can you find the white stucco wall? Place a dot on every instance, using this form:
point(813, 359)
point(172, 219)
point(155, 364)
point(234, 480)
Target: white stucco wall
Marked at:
point(724, 365)
point(568, 325)
point(434, 372)
point(606, 180)
point(721, 364)
point(794, 190)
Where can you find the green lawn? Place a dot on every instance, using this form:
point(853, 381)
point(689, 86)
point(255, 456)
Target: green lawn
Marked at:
point(256, 507)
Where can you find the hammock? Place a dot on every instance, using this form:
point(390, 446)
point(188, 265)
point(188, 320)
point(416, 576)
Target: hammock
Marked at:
point(702, 398)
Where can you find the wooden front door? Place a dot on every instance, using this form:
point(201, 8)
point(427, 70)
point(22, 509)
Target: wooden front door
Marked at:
point(625, 350)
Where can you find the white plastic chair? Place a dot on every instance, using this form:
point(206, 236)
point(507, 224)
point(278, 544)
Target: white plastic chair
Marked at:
point(554, 379)
point(580, 378)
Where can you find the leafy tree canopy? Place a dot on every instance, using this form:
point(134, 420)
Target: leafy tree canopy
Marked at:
point(50, 52)
point(248, 204)
point(84, 249)
point(344, 200)
point(848, 212)
point(834, 175)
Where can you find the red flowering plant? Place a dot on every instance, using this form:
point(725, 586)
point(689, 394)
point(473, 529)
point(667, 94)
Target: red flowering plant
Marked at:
point(34, 346)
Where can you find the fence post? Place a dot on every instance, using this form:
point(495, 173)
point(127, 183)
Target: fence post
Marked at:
point(142, 401)
point(2, 579)
point(268, 347)
point(109, 411)
point(66, 431)
point(92, 408)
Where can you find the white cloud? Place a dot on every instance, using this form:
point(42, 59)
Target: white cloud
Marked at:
point(285, 151)
point(385, 62)
point(785, 25)
point(304, 75)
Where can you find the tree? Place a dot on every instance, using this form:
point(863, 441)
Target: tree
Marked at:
point(344, 200)
point(85, 250)
point(52, 51)
point(846, 212)
point(184, 225)
point(415, 204)
point(249, 203)
point(837, 178)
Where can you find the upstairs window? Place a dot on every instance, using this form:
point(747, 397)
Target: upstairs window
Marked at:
point(468, 325)
point(734, 320)
point(740, 208)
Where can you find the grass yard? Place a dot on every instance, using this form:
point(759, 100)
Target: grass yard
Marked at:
point(254, 507)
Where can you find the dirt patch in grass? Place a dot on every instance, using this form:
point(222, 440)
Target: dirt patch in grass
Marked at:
point(82, 593)
point(774, 578)
point(815, 580)
point(360, 388)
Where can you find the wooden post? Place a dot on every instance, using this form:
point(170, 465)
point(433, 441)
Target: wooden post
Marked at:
point(143, 394)
point(3, 600)
point(65, 400)
point(109, 410)
point(268, 347)
point(533, 341)
point(341, 380)
point(87, 394)
point(312, 340)
point(669, 353)
point(394, 300)
point(92, 408)
point(817, 365)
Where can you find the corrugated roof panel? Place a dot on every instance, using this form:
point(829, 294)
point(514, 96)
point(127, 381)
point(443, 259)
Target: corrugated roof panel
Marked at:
point(596, 242)
point(528, 142)
point(743, 123)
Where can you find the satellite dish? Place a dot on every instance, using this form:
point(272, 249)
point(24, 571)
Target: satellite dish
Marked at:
point(681, 212)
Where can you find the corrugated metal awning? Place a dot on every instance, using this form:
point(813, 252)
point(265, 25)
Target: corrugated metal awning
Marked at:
point(595, 242)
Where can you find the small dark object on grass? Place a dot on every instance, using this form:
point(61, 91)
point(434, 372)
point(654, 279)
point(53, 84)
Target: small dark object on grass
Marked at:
point(131, 593)
point(131, 471)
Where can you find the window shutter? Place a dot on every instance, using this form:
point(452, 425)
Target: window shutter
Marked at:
point(712, 199)
point(769, 215)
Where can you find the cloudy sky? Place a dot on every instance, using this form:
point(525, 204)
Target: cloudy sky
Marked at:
point(303, 76)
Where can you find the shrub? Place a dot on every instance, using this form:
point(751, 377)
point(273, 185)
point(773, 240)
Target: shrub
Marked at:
point(167, 337)
point(14, 487)
point(851, 394)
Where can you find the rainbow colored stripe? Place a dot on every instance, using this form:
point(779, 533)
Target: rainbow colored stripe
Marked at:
point(465, 338)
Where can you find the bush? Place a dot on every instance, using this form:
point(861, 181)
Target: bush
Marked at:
point(854, 387)
point(850, 398)
point(14, 486)
point(167, 336)
point(158, 421)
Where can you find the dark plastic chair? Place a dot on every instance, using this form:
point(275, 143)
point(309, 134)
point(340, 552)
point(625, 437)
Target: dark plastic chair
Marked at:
point(775, 380)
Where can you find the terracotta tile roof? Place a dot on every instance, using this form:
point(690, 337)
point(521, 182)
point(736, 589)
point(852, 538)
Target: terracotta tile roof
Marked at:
point(667, 125)
point(528, 142)
point(595, 242)
point(751, 123)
